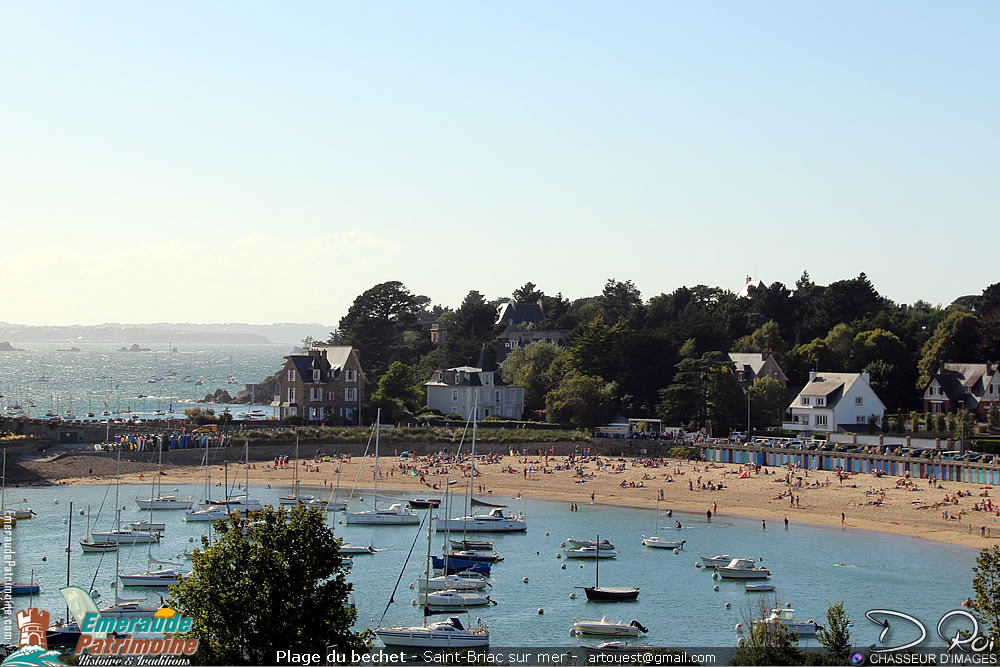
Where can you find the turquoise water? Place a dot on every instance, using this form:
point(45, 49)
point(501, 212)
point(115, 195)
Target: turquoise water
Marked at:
point(100, 375)
point(810, 566)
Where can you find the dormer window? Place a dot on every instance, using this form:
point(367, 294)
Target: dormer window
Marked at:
point(805, 400)
point(820, 400)
point(315, 375)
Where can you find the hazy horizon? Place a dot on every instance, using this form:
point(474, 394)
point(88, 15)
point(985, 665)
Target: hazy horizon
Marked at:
point(257, 162)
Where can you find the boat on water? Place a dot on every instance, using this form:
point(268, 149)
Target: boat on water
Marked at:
point(472, 545)
point(476, 556)
point(657, 542)
point(454, 565)
point(146, 525)
point(206, 514)
point(424, 503)
point(716, 561)
point(97, 547)
point(591, 552)
point(350, 549)
point(396, 515)
point(742, 568)
point(452, 581)
point(157, 500)
point(785, 616)
point(604, 544)
point(129, 608)
point(123, 536)
point(441, 634)
point(25, 588)
point(607, 627)
point(759, 588)
point(454, 598)
point(154, 577)
point(478, 502)
point(494, 522)
point(600, 593)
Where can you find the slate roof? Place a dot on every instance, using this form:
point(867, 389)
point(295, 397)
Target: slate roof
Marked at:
point(516, 313)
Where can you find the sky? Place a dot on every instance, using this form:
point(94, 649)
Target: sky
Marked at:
point(265, 162)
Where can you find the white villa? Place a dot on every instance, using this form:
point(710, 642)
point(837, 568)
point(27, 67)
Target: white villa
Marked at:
point(833, 402)
point(459, 390)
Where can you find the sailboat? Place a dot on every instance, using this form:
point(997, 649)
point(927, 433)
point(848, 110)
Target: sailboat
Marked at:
point(495, 521)
point(296, 497)
point(95, 547)
point(158, 501)
point(157, 577)
point(120, 535)
point(608, 593)
point(450, 634)
point(14, 513)
point(396, 514)
point(242, 502)
point(658, 542)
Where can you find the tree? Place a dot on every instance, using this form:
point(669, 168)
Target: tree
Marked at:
point(276, 571)
point(583, 400)
point(400, 386)
point(527, 293)
point(619, 300)
point(377, 321)
point(768, 402)
point(955, 339)
point(965, 425)
point(993, 418)
point(469, 330)
point(986, 584)
point(835, 636)
point(539, 368)
point(724, 400)
point(767, 643)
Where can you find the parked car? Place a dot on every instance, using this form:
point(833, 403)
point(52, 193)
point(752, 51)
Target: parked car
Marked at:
point(828, 447)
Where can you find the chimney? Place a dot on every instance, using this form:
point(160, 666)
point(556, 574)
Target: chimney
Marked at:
point(867, 377)
point(749, 279)
point(812, 375)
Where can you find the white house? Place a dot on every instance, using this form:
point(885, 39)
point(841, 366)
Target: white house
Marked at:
point(833, 402)
point(459, 390)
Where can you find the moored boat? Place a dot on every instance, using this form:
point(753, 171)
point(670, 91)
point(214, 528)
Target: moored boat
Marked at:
point(657, 542)
point(607, 627)
point(742, 568)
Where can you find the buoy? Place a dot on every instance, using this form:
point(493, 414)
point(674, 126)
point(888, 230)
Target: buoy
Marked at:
point(697, 564)
point(788, 604)
point(715, 575)
point(715, 588)
point(413, 602)
point(95, 594)
point(546, 533)
point(64, 522)
point(57, 501)
point(562, 545)
point(190, 539)
point(45, 558)
point(411, 587)
point(558, 555)
point(525, 580)
point(81, 512)
point(728, 605)
point(572, 632)
point(581, 567)
point(538, 553)
point(540, 611)
point(572, 596)
point(676, 551)
point(341, 522)
point(741, 641)
point(739, 627)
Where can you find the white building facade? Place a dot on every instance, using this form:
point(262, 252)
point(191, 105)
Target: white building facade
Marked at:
point(466, 390)
point(833, 402)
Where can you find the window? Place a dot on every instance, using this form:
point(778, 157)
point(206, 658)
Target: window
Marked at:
point(739, 376)
point(498, 397)
point(291, 376)
point(315, 394)
point(820, 420)
point(351, 394)
point(454, 395)
point(862, 419)
point(805, 400)
point(859, 400)
point(291, 394)
point(315, 375)
point(820, 400)
point(993, 389)
point(351, 375)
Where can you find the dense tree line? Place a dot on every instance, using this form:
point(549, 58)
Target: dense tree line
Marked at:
point(664, 356)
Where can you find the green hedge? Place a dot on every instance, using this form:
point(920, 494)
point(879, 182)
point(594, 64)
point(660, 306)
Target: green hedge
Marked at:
point(346, 435)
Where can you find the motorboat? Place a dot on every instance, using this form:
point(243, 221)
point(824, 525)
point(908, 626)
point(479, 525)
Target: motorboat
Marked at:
point(454, 598)
point(477, 556)
point(591, 552)
point(658, 542)
point(759, 588)
point(123, 536)
point(147, 525)
point(294, 499)
point(441, 634)
point(784, 616)
point(716, 561)
point(349, 549)
point(494, 522)
point(617, 648)
point(742, 568)
point(452, 581)
point(605, 626)
point(472, 545)
point(424, 503)
point(157, 577)
point(206, 514)
point(589, 543)
point(395, 515)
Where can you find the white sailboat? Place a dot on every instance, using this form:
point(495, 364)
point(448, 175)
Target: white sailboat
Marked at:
point(158, 501)
point(395, 515)
point(296, 498)
point(153, 577)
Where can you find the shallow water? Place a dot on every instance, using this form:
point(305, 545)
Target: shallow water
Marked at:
point(811, 567)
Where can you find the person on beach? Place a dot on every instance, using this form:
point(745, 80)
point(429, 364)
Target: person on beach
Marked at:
point(708, 515)
point(786, 523)
point(763, 524)
point(843, 518)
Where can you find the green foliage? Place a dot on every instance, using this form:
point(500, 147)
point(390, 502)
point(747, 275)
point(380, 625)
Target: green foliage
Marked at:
point(585, 401)
point(725, 400)
point(765, 337)
point(202, 416)
point(278, 571)
point(940, 423)
point(471, 329)
point(767, 643)
point(768, 401)
point(619, 300)
point(955, 339)
point(399, 387)
point(993, 417)
point(965, 425)
point(538, 367)
point(835, 635)
point(527, 293)
point(986, 584)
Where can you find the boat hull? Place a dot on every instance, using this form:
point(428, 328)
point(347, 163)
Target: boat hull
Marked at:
point(609, 594)
point(727, 573)
point(131, 537)
point(380, 519)
point(606, 629)
point(421, 638)
point(163, 504)
point(481, 525)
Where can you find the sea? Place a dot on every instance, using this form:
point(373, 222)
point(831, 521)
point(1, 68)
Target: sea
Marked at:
point(45, 377)
point(537, 592)
point(533, 586)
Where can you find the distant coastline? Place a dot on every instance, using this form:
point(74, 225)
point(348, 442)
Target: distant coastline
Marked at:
point(163, 334)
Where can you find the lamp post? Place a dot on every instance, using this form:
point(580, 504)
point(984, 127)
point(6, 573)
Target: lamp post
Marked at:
point(749, 439)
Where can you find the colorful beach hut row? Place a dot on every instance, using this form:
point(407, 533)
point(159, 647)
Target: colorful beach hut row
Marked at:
point(893, 466)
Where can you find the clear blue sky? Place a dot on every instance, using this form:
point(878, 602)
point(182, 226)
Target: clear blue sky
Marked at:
point(263, 161)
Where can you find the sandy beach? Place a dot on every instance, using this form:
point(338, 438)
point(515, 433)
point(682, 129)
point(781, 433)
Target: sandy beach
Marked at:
point(911, 508)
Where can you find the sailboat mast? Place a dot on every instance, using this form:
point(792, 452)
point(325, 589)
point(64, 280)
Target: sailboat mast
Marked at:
point(597, 569)
point(3, 486)
point(69, 549)
point(378, 425)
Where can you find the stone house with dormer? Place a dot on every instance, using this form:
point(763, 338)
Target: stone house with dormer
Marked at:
point(748, 366)
point(974, 387)
point(835, 402)
point(325, 385)
point(474, 389)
